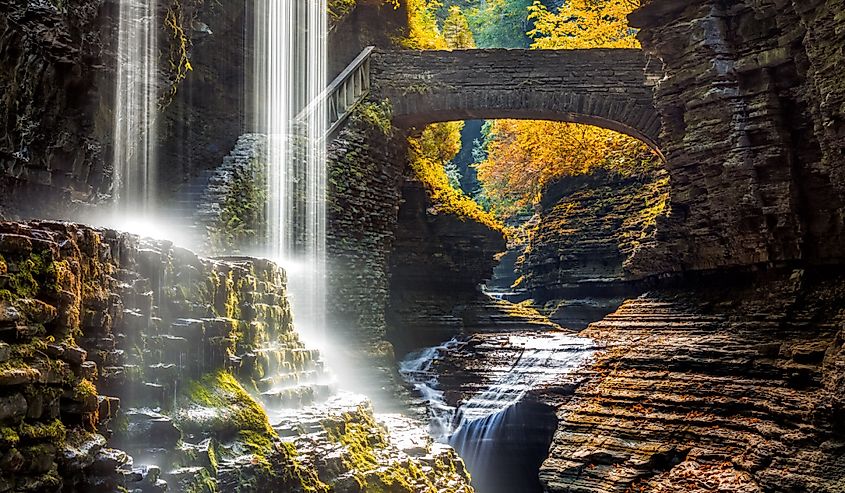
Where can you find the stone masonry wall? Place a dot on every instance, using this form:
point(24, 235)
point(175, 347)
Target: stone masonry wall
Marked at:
point(608, 88)
point(365, 173)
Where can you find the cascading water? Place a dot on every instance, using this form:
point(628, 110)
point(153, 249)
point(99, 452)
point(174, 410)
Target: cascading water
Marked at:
point(135, 110)
point(290, 78)
point(474, 425)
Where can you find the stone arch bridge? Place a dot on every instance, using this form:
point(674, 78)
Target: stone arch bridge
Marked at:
point(609, 88)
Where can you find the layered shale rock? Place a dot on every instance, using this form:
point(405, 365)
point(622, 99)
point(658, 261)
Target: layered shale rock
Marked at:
point(735, 386)
point(574, 265)
point(437, 265)
point(96, 321)
point(114, 348)
point(752, 111)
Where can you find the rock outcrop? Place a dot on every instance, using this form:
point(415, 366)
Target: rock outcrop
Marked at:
point(753, 117)
point(51, 76)
point(574, 265)
point(436, 267)
point(113, 348)
point(734, 386)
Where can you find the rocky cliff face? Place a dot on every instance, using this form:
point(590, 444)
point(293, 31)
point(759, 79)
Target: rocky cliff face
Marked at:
point(588, 228)
point(58, 80)
point(113, 348)
point(752, 113)
point(734, 386)
point(365, 174)
point(51, 81)
point(436, 266)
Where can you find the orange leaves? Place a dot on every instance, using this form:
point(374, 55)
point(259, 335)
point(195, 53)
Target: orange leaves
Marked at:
point(523, 156)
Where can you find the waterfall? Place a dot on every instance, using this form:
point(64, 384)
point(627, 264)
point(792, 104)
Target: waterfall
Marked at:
point(290, 78)
point(473, 425)
point(136, 106)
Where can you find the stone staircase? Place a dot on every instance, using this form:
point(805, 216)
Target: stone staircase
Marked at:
point(199, 203)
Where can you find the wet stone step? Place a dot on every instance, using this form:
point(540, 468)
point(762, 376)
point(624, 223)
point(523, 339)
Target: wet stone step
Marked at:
point(147, 428)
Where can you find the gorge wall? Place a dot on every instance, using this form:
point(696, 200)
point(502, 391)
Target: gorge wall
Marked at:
point(52, 72)
point(731, 386)
point(574, 264)
point(436, 266)
point(751, 105)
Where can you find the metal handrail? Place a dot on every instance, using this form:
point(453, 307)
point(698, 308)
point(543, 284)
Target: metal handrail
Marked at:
point(343, 94)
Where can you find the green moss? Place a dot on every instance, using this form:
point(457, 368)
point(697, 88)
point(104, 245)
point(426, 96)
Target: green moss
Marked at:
point(379, 115)
point(361, 436)
point(179, 46)
point(202, 482)
point(236, 415)
point(9, 437)
point(84, 389)
point(242, 213)
point(338, 9)
point(23, 282)
point(53, 432)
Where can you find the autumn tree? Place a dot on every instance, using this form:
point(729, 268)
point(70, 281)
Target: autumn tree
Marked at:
point(456, 30)
point(423, 33)
point(583, 24)
point(523, 156)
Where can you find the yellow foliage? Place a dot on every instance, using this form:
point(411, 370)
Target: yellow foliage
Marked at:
point(429, 153)
point(523, 156)
point(583, 24)
point(423, 33)
point(456, 30)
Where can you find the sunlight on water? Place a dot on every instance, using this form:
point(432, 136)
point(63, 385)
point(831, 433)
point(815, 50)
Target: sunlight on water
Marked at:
point(471, 427)
point(136, 110)
point(290, 75)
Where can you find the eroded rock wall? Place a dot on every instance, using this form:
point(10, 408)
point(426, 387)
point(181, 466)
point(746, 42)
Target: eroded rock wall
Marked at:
point(732, 386)
point(436, 266)
point(100, 328)
point(751, 104)
point(574, 264)
point(51, 79)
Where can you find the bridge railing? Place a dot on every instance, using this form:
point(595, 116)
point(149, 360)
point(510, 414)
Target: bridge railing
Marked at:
point(344, 93)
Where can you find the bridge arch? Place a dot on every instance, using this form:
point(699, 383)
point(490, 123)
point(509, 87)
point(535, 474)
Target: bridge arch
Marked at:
point(608, 88)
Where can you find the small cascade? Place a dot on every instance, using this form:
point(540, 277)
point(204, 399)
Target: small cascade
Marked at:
point(475, 425)
point(136, 108)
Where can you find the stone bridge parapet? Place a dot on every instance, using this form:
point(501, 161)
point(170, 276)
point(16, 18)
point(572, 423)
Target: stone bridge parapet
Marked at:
point(609, 88)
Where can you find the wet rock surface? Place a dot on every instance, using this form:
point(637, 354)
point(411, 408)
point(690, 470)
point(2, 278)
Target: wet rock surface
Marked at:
point(481, 394)
point(734, 386)
point(355, 450)
point(135, 364)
